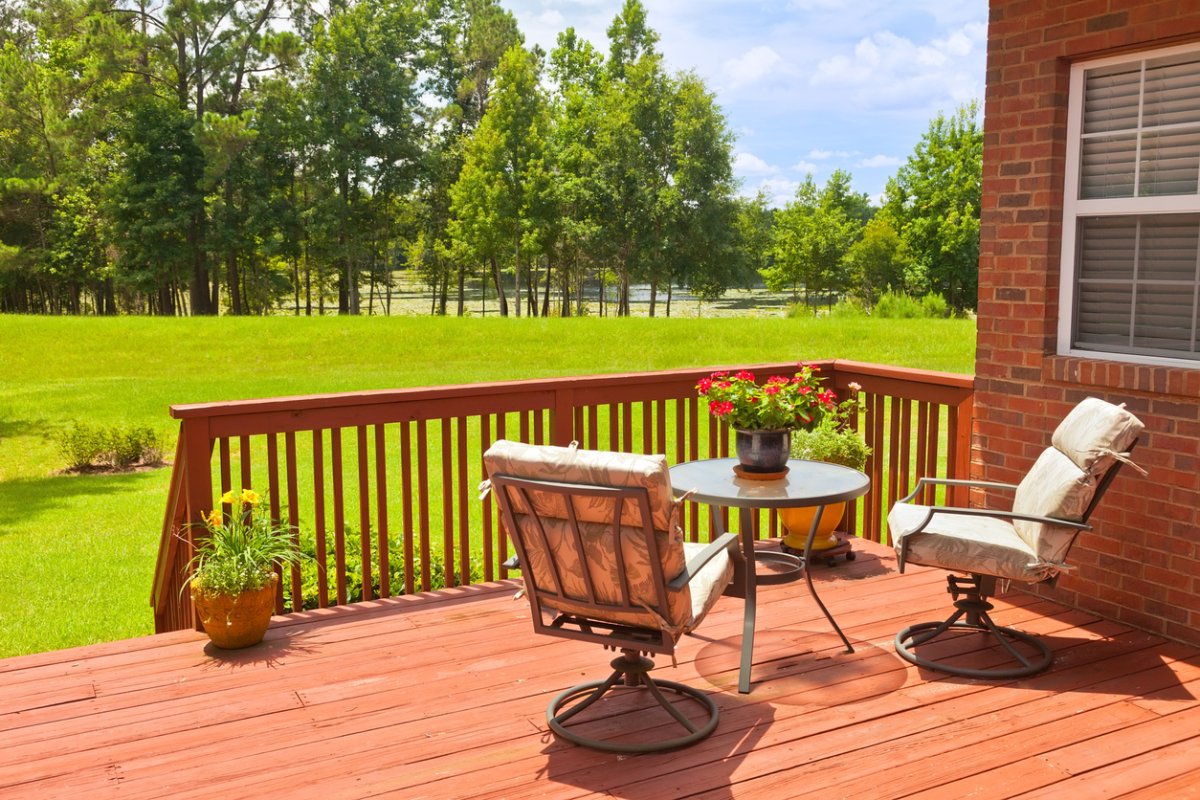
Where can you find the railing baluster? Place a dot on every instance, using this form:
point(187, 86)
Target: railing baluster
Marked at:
point(464, 514)
point(318, 441)
point(448, 561)
point(273, 500)
point(364, 514)
point(489, 532)
point(381, 510)
point(339, 514)
point(293, 509)
point(406, 498)
point(501, 537)
point(423, 503)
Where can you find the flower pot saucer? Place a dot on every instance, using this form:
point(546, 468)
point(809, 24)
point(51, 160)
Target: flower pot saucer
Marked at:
point(741, 472)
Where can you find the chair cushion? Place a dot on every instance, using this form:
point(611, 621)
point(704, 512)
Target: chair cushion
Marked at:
point(596, 467)
point(1054, 487)
point(1093, 431)
point(964, 543)
point(707, 584)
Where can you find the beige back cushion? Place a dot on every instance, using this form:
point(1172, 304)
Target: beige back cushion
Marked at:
point(595, 516)
point(1063, 480)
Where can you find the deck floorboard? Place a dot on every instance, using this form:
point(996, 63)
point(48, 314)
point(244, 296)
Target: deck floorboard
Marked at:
point(443, 696)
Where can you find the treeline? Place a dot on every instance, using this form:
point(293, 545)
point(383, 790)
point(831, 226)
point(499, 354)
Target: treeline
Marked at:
point(245, 156)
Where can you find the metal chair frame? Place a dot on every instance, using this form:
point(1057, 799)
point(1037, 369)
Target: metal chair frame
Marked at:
point(971, 612)
point(631, 669)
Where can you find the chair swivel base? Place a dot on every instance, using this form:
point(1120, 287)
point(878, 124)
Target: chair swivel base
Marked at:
point(1030, 658)
point(630, 673)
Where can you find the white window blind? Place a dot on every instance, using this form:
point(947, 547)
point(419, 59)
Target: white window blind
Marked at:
point(1132, 243)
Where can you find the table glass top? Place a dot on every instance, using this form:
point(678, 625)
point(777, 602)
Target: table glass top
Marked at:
point(807, 483)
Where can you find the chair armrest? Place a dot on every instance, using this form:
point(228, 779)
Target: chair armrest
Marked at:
point(1009, 515)
point(726, 541)
point(923, 482)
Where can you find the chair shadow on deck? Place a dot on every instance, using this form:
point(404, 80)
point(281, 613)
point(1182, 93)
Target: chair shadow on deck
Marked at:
point(711, 763)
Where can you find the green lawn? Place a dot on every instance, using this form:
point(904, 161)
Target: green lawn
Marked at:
point(77, 552)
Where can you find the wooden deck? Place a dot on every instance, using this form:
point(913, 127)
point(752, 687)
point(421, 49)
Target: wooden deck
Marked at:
point(443, 696)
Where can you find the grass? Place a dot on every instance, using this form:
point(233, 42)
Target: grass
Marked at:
point(77, 551)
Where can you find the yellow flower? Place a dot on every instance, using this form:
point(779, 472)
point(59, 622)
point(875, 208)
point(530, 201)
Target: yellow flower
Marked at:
point(214, 518)
point(250, 497)
point(227, 498)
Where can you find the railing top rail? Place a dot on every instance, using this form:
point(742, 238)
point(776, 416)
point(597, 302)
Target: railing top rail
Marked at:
point(951, 379)
point(582, 383)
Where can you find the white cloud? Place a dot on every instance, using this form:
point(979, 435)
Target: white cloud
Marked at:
point(822, 155)
point(805, 167)
point(751, 66)
point(880, 161)
point(750, 164)
point(888, 71)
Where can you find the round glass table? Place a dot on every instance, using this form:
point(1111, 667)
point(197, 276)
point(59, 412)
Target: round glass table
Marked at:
point(807, 483)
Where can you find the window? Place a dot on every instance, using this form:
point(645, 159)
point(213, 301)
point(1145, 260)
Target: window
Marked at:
point(1131, 215)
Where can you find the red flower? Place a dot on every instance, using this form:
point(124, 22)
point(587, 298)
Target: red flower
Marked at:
point(745, 375)
point(771, 388)
point(704, 385)
point(778, 379)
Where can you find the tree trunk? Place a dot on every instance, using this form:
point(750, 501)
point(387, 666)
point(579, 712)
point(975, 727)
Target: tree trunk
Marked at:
point(231, 256)
point(653, 295)
point(462, 290)
point(503, 301)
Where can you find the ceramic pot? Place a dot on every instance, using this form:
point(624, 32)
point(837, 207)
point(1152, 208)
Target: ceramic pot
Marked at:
point(762, 450)
point(798, 522)
point(236, 621)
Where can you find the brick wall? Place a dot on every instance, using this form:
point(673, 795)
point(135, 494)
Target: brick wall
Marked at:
point(1141, 564)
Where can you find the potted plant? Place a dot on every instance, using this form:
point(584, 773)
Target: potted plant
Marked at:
point(835, 441)
point(763, 416)
point(233, 578)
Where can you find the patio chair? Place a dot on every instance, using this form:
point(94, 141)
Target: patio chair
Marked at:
point(1050, 507)
point(603, 560)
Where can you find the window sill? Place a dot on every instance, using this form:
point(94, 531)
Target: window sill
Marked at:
point(1149, 378)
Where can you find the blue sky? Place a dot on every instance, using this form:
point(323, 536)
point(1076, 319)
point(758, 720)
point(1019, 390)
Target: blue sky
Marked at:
point(806, 85)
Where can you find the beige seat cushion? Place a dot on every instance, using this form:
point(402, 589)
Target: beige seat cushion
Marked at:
point(965, 543)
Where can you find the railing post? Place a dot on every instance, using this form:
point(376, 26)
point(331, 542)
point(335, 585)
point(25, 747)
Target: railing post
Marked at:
point(197, 451)
point(562, 416)
point(960, 465)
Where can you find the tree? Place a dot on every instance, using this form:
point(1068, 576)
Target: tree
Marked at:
point(811, 237)
point(878, 262)
point(154, 201)
point(934, 203)
point(362, 92)
point(701, 245)
point(504, 191)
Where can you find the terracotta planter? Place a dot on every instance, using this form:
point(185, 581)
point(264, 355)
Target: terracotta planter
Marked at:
point(798, 521)
point(762, 451)
point(236, 621)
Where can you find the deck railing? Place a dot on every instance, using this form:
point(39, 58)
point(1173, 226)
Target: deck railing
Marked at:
point(381, 486)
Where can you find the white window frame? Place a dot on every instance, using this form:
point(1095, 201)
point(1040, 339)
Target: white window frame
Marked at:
point(1074, 207)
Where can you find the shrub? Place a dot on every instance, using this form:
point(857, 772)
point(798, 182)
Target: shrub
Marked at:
point(849, 308)
point(898, 306)
point(84, 445)
point(310, 589)
point(935, 305)
point(133, 445)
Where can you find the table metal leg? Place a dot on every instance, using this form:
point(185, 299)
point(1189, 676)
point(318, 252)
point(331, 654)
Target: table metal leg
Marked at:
point(812, 533)
point(746, 532)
